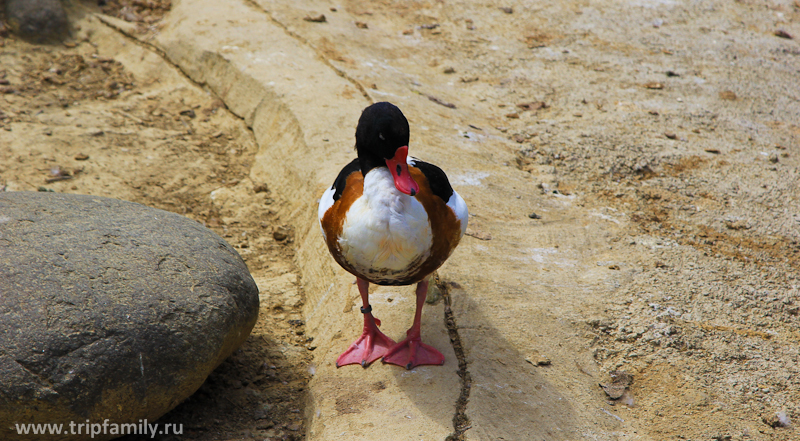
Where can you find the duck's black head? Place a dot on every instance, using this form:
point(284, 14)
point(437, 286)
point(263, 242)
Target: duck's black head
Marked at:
point(382, 129)
point(382, 141)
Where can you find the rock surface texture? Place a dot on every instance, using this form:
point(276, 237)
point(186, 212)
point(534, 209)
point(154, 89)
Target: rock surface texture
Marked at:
point(110, 309)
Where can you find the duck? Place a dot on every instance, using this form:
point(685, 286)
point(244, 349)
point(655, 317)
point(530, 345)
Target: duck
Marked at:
point(390, 219)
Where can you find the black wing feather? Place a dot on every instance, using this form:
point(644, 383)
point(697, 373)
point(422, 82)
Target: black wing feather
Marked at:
point(341, 180)
point(437, 180)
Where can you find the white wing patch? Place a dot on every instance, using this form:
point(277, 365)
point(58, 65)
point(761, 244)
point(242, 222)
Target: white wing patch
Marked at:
point(459, 207)
point(385, 230)
point(325, 202)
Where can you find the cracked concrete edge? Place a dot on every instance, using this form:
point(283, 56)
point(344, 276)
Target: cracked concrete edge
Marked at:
point(298, 163)
point(461, 421)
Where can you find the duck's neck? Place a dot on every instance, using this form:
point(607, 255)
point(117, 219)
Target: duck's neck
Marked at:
point(368, 163)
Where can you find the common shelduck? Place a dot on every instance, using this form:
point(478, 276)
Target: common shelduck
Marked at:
point(390, 219)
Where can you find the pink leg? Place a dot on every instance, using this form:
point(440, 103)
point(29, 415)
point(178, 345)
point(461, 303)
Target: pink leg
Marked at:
point(411, 351)
point(373, 343)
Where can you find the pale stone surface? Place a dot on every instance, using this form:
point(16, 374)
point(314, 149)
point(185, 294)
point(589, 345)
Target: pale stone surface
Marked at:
point(291, 122)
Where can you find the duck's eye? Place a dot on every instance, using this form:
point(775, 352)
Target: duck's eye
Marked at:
point(380, 135)
point(399, 169)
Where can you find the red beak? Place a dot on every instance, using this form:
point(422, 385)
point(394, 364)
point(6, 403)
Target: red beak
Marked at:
point(399, 168)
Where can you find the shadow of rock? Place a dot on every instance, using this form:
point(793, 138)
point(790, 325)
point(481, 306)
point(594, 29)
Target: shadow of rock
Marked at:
point(257, 383)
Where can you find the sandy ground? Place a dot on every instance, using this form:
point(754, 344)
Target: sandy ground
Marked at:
point(631, 169)
point(101, 115)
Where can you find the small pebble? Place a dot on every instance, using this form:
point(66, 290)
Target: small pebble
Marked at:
point(537, 359)
point(536, 105)
point(778, 419)
point(280, 234)
point(619, 384)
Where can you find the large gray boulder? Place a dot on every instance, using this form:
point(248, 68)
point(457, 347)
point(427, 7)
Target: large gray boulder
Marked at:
point(110, 310)
point(37, 20)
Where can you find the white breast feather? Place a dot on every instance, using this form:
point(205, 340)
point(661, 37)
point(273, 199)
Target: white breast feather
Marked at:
point(384, 228)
